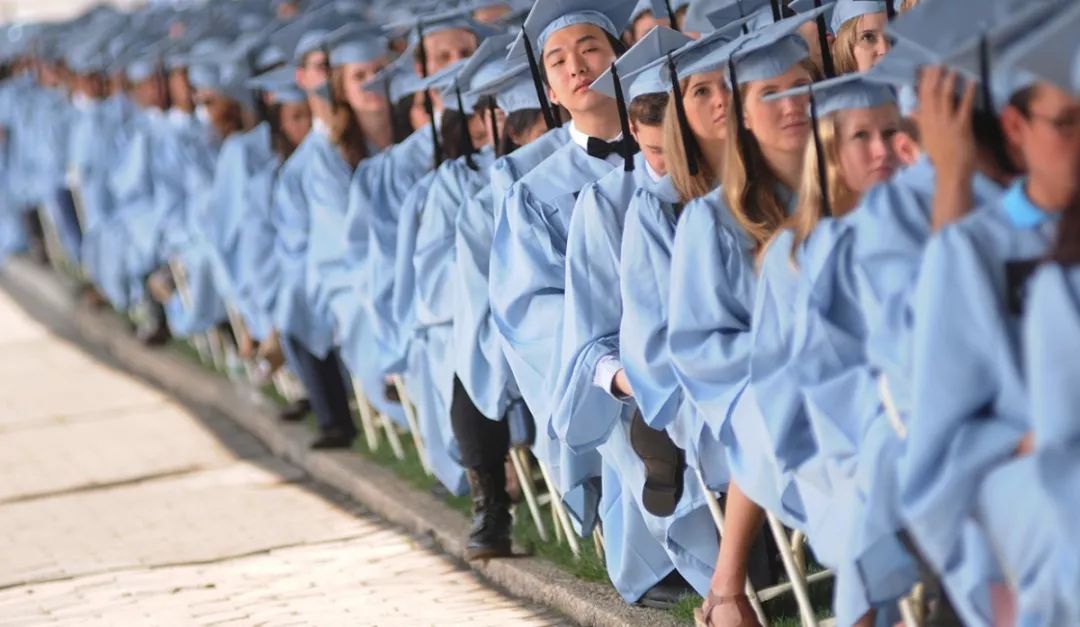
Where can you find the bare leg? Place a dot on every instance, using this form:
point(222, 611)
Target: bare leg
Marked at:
point(742, 523)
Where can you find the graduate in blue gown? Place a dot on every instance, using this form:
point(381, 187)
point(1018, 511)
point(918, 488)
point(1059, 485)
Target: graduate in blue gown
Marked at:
point(593, 406)
point(378, 194)
point(970, 405)
point(466, 145)
point(713, 273)
point(822, 410)
point(489, 416)
point(574, 44)
point(306, 334)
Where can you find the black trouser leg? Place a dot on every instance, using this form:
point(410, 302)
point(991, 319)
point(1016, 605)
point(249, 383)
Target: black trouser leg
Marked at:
point(484, 443)
point(327, 389)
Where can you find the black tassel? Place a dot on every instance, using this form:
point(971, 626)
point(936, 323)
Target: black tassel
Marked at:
point(467, 148)
point(494, 124)
point(740, 126)
point(394, 130)
point(671, 15)
point(823, 178)
point(777, 13)
point(545, 107)
point(890, 9)
point(984, 74)
point(329, 82)
point(823, 41)
point(429, 105)
point(688, 139)
point(624, 121)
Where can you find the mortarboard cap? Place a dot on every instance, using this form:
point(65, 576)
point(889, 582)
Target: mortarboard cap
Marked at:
point(653, 46)
point(1052, 52)
point(513, 90)
point(549, 16)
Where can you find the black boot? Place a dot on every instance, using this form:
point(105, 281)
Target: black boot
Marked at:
point(490, 533)
point(664, 466)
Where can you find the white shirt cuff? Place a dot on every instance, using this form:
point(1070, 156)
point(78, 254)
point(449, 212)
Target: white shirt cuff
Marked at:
point(604, 376)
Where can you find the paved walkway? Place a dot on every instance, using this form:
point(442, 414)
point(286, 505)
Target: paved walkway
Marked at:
point(119, 507)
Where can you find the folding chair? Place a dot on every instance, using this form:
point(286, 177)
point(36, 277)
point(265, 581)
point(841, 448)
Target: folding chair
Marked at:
point(53, 248)
point(414, 422)
point(367, 416)
point(199, 341)
point(891, 412)
point(792, 554)
point(558, 509)
point(519, 458)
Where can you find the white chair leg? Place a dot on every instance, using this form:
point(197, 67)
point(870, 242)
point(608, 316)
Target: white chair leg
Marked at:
point(521, 469)
point(202, 347)
point(392, 437)
point(367, 416)
point(797, 578)
point(414, 422)
point(560, 511)
point(718, 519)
point(598, 542)
point(51, 237)
point(217, 349)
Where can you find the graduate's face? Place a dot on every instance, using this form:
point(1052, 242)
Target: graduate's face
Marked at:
point(573, 57)
point(651, 140)
point(809, 33)
point(478, 129)
point(353, 77)
point(149, 93)
point(778, 125)
point(491, 14)
point(445, 48)
point(1048, 136)
point(295, 121)
point(312, 71)
point(865, 146)
point(870, 41)
point(706, 100)
point(180, 91)
point(643, 24)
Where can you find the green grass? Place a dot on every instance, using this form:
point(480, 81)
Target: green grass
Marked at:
point(782, 612)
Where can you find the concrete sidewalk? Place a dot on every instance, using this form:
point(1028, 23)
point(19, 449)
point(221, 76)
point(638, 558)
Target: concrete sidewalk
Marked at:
point(118, 506)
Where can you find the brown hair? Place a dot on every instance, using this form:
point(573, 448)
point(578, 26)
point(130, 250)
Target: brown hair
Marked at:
point(907, 5)
point(345, 131)
point(648, 109)
point(753, 201)
point(678, 167)
point(1066, 249)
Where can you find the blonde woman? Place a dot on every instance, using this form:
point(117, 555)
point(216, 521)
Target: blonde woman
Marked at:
point(859, 30)
point(813, 407)
point(712, 277)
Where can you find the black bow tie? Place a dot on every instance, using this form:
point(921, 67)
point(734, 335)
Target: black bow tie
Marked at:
point(602, 149)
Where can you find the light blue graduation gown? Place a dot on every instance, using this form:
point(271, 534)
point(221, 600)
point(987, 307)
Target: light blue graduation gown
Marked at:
point(645, 284)
point(527, 275)
point(893, 226)
point(970, 407)
point(363, 313)
point(713, 283)
point(479, 361)
point(844, 415)
point(1051, 338)
point(431, 256)
point(585, 416)
point(292, 314)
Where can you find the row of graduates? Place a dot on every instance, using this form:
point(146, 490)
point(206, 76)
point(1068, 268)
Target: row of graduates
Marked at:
point(777, 297)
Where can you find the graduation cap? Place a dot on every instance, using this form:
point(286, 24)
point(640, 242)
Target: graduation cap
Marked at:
point(619, 81)
point(356, 43)
point(999, 81)
point(844, 93)
point(280, 84)
point(512, 89)
point(843, 11)
point(1052, 53)
point(549, 16)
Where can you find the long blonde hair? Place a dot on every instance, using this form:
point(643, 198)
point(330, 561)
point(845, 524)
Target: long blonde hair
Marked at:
point(753, 201)
point(688, 187)
point(843, 47)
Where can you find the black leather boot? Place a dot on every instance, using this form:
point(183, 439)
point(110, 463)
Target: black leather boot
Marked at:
point(492, 522)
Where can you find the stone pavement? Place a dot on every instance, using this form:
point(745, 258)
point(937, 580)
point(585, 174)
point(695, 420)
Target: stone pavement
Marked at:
point(120, 507)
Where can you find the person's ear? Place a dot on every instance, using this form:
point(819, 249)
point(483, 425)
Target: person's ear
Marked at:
point(551, 96)
point(1013, 123)
point(634, 130)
